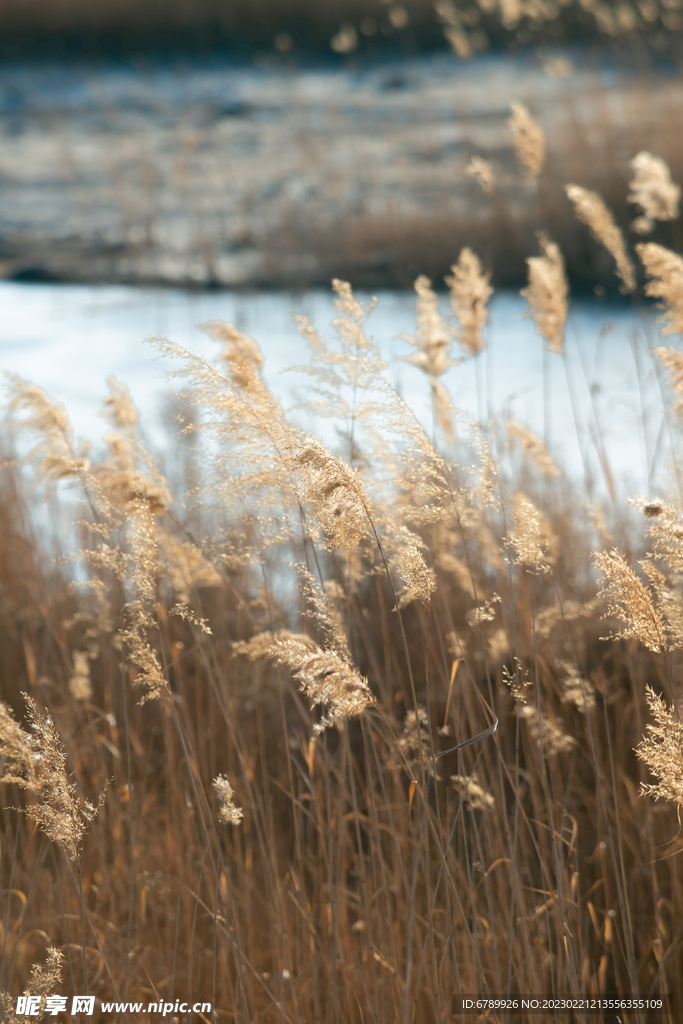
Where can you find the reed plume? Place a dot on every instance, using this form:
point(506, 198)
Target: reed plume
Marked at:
point(324, 676)
point(629, 600)
point(481, 170)
point(432, 354)
point(334, 491)
point(36, 763)
point(55, 455)
point(652, 190)
point(531, 539)
point(80, 684)
point(473, 793)
point(118, 407)
point(44, 981)
point(546, 732)
point(547, 293)
point(240, 354)
point(533, 446)
point(665, 272)
point(470, 292)
point(228, 813)
point(576, 689)
point(592, 211)
point(662, 751)
point(528, 138)
point(672, 360)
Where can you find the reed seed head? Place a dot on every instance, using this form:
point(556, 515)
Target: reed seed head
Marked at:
point(592, 211)
point(529, 139)
point(470, 292)
point(547, 293)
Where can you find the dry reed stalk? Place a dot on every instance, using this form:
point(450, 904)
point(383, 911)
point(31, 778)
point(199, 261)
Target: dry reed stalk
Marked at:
point(470, 292)
point(529, 139)
point(547, 293)
point(591, 209)
point(652, 190)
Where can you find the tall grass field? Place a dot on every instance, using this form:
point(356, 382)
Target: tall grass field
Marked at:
point(328, 726)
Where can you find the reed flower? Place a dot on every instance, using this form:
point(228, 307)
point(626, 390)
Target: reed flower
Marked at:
point(44, 981)
point(481, 170)
point(240, 354)
point(652, 190)
point(80, 684)
point(228, 813)
point(546, 732)
point(629, 600)
point(118, 407)
point(529, 139)
point(55, 454)
point(323, 676)
point(472, 791)
point(470, 292)
point(665, 272)
point(36, 762)
point(662, 751)
point(415, 742)
point(432, 354)
point(531, 539)
point(334, 491)
point(575, 688)
point(592, 211)
point(533, 446)
point(547, 293)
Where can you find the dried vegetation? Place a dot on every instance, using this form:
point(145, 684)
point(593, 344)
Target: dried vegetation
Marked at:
point(373, 730)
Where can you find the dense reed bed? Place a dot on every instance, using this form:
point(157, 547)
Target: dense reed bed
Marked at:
point(324, 734)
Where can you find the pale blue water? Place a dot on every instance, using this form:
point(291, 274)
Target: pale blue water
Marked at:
point(69, 338)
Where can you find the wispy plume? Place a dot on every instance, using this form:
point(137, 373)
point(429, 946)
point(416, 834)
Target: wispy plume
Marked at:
point(470, 292)
point(533, 446)
point(35, 761)
point(118, 407)
point(591, 209)
point(432, 355)
point(547, 293)
point(662, 751)
point(653, 191)
point(228, 813)
point(481, 170)
point(528, 138)
point(323, 676)
point(629, 600)
point(44, 981)
point(665, 282)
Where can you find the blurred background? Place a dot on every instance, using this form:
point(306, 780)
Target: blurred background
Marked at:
point(209, 152)
point(278, 143)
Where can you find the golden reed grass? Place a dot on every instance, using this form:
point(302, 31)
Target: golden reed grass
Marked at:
point(329, 735)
